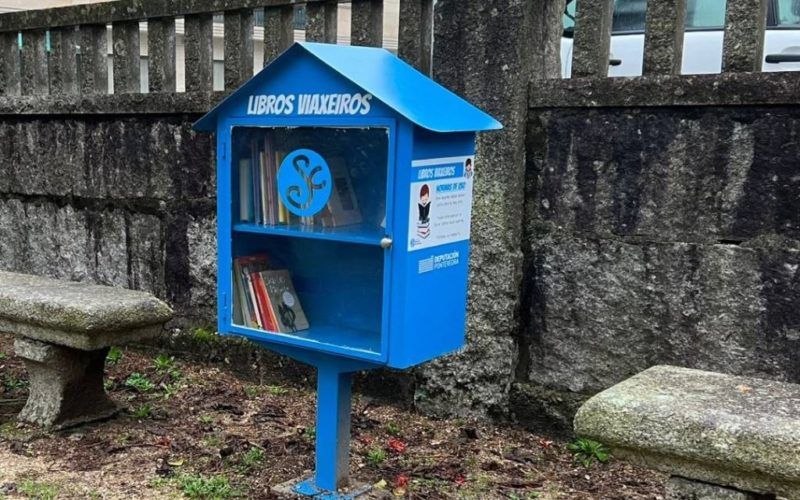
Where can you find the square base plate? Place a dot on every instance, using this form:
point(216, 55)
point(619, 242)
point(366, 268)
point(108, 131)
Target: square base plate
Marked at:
point(305, 488)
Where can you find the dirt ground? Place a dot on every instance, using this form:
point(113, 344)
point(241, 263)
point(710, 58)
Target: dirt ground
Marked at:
point(197, 431)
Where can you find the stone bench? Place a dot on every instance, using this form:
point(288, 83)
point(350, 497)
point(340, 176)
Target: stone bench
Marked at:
point(63, 333)
point(718, 436)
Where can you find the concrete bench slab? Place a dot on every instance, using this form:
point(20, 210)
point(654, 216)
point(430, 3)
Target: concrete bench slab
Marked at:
point(77, 315)
point(735, 432)
point(64, 331)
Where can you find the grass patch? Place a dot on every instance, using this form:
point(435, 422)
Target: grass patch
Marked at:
point(165, 365)
point(160, 482)
point(524, 496)
point(310, 433)
point(109, 384)
point(202, 334)
point(37, 490)
point(143, 411)
point(140, 383)
point(211, 488)
point(376, 456)
point(12, 383)
point(587, 452)
point(277, 390)
point(254, 391)
point(212, 441)
point(253, 457)
point(10, 432)
point(170, 390)
point(393, 429)
point(114, 356)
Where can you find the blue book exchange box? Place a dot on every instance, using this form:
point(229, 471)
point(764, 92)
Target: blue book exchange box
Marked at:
point(344, 192)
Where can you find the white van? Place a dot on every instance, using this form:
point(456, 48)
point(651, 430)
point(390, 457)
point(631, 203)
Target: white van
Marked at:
point(702, 43)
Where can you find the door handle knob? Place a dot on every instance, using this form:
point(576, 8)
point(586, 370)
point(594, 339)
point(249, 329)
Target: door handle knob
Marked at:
point(386, 242)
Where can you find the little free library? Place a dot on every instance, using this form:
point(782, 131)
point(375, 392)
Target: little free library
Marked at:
point(344, 201)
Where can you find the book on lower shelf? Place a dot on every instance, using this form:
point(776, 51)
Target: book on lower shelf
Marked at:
point(284, 302)
point(265, 298)
point(246, 311)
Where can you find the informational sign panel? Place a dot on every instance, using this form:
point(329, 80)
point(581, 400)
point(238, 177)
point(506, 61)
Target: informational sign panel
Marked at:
point(440, 201)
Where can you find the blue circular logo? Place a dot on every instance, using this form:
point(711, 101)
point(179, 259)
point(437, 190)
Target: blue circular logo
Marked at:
point(304, 182)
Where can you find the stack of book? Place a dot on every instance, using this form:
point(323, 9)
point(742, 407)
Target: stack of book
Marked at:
point(259, 201)
point(423, 229)
point(258, 196)
point(265, 298)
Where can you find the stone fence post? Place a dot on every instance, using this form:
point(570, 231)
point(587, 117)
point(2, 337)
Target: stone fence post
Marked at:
point(488, 51)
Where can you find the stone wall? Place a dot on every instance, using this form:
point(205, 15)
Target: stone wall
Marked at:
point(647, 235)
point(117, 200)
point(657, 235)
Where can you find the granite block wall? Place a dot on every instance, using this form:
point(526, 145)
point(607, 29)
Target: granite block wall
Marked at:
point(118, 200)
point(657, 235)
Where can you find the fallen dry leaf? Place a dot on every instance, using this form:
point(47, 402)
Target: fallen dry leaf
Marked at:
point(396, 445)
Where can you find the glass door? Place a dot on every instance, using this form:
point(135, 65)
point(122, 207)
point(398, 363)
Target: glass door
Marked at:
point(308, 213)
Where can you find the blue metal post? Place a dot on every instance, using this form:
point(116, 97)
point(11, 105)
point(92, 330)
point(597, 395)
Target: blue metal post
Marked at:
point(333, 426)
point(334, 390)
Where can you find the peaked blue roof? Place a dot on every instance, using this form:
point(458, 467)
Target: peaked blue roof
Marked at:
point(392, 81)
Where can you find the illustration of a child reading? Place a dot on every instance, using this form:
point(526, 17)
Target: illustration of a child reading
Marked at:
point(424, 204)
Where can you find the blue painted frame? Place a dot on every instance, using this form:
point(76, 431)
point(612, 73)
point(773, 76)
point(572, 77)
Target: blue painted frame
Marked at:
point(227, 230)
